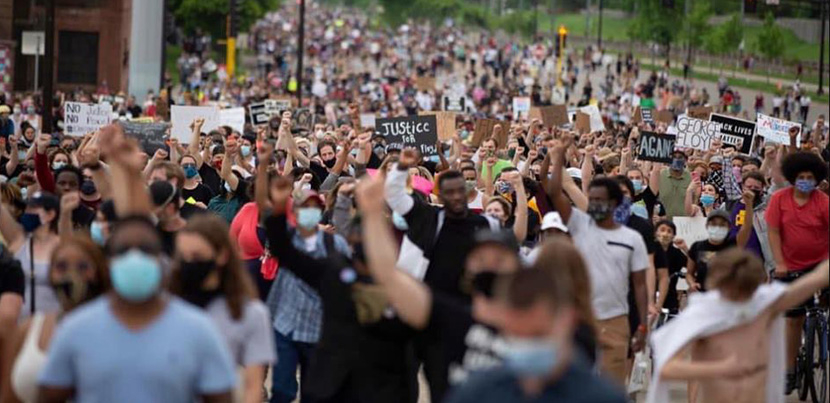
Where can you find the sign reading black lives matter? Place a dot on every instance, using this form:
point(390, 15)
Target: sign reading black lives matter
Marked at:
point(418, 132)
point(656, 147)
point(696, 133)
point(645, 113)
point(734, 131)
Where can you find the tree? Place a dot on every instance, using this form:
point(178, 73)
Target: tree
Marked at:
point(655, 23)
point(698, 26)
point(210, 15)
point(770, 42)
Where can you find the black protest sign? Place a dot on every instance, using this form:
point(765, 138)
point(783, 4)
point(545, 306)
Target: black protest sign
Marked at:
point(656, 147)
point(453, 103)
point(151, 136)
point(259, 113)
point(418, 132)
point(735, 132)
point(646, 115)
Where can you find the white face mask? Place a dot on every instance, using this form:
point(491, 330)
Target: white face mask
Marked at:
point(717, 234)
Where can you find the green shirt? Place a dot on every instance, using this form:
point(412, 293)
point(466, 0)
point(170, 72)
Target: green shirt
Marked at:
point(673, 193)
point(500, 165)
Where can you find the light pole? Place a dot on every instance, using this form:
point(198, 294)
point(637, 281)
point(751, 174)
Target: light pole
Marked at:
point(823, 11)
point(300, 51)
point(48, 68)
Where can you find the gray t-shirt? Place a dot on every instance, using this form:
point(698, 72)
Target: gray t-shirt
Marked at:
point(251, 338)
point(44, 296)
point(177, 358)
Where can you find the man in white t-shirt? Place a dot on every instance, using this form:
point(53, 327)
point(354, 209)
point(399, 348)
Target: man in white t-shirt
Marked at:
point(613, 253)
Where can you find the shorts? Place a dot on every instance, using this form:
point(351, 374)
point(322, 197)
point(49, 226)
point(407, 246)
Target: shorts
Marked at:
point(801, 309)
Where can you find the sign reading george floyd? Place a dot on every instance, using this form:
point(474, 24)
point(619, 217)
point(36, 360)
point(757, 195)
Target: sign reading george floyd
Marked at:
point(734, 131)
point(656, 147)
point(418, 132)
point(695, 133)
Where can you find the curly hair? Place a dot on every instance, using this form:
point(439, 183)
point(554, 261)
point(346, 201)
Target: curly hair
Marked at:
point(801, 161)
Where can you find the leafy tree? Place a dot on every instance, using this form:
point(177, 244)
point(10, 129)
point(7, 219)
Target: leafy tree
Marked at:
point(655, 23)
point(698, 25)
point(770, 41)
point(211, 15)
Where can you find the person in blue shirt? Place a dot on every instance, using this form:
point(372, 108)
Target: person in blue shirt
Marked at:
point(137, 343)
point(6, 124)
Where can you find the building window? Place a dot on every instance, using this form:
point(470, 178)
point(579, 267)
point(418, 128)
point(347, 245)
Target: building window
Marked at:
point(78, 57)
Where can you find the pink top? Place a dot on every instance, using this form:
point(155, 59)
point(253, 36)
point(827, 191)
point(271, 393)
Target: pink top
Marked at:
point(243, 230)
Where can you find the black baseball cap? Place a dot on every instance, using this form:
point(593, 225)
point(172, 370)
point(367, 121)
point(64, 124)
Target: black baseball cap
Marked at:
point(44, 199)
point(503, 238)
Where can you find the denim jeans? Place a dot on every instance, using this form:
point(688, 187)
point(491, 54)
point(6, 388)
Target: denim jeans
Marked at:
point(290, 353)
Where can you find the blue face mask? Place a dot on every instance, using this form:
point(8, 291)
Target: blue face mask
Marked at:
point(707, 200)
point(245, 150)
point(503, 187)
point(639, 209)
point(399, 222)
point(30, 222)
point(136, 276)
point(623, 212)
point(227, 187)
point(805, 185)
point(58, 165)
point(96, 232)
point(638, 185)
point(21, 155)
point(309, 217)
point(190, 171)
point(531, 358)
point(678, 164)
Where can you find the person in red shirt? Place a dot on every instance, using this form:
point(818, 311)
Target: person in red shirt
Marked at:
point(799, 220)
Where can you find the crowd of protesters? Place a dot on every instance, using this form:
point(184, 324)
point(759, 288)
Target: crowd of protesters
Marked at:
point(529, 264)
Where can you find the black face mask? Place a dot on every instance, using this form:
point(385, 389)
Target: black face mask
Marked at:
point(330, 163)
point(88, 187)
point(192, 276)
point(74, 293)
point(484, 283)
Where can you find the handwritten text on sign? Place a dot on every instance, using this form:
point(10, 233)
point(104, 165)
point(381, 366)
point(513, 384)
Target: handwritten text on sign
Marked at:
point(696, 133)
point(656, 147)
point(419, 132)
point(80, 118)
point(776, 130)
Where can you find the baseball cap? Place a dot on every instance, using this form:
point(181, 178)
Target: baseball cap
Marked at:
point(44, 199)
point(718, 214)
point(304, 195)
point(503, 238)
point(553, 220)
point(717, 159)
point(394, 147)
point(575, 173)
point(162, 193)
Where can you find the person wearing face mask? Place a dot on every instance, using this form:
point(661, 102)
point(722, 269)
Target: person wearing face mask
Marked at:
point(701, 199)
point(541, 361)
point(457, 337)
point(474, 196)
point(701, 252)
point(207, 273)
point(99, 230)
point(645, 190)
point(798, 224)
point(296, 306)
point(6, 124)
point(235, 191)
point(674, 181)
point(77, 274)
point(362, 355)
point(126, 339)
point(614, 254)
point(194, 192)
point(675, 251)
point(167, 203)
point(32, 241)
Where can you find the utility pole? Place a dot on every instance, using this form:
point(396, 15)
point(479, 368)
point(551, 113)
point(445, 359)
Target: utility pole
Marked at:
point(48, 68)
point(599, 34)
point(688, 4)
point(587, 18)
point(823, 11)
point(300, 52)
point(230, 44)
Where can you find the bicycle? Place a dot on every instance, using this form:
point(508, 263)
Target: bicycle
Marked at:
point(812, 360)
point(681, 288)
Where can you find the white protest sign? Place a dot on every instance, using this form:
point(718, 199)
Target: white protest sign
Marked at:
point(182, 116)
point(776, 130)
point(596, 118)
point(80, 118)
point(521, 106)
point(367, 120)
point(691, 229)
point(233, 117)
point(695, 133)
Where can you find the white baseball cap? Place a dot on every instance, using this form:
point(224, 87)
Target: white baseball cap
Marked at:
point(575, 173)
point(553, 220)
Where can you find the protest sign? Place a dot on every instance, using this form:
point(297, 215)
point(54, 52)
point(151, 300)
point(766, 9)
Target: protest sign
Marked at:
point(582, 123)
point(636, 117)
point(367, 120)
point(647, 115)
point(331, 113)
point(302, 120)
point(484, 129)
point(454, 103)
point(521, 106)
point(259, 113)
point(80, 118)
point(278, 105)
point(734, 131)
point(656, 147)
point(446, 123)
point(425, 83)
point(699, 112)
point(595, 120)
point(551, 116)
point(696, 133)
point(233, 118)
point(691, 229)
point(182, 116)
point(776, 130)
point(664, 116)
point(419, 132)
point(151, 136)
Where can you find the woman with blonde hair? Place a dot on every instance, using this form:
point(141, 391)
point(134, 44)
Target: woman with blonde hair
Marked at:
point(563, 261)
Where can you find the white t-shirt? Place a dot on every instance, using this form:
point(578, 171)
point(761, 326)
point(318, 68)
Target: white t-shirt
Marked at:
point(611, 257)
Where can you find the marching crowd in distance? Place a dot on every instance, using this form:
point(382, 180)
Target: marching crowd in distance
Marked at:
point(527, 264)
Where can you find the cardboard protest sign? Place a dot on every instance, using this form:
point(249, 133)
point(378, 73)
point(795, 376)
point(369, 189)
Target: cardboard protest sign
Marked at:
point(484, 129)
point(419, 132)
point(776, 130)
point(699, 112)
point(446, 123)
point(691, 229)
point(696, 133)
point(233, 117)
point(259, 113)
point(551, 116)
point(80, 118)
point(595, 120)
point(151, 136)
point(656, 147)
point(664, 116)
point(454, 103)
point(734, 131)
point(425, 83)
point(647, 115)
point(302, 119)
point(582, 123)
point(367, 120)
point(636, 117)
point(521, 106)
point(182, 116)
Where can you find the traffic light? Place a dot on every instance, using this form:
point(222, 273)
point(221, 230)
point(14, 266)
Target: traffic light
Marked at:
point(234, 17)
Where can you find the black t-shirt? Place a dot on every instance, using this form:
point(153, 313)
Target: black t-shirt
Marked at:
point(645, 229)
point(14, 173)
point(168, 241)
point(82, 217)
point(12, 279)
point(648, 198)
point(210, 178)
point(319, 170)
point(675, 261)
point(200, 193)
point(701, 253)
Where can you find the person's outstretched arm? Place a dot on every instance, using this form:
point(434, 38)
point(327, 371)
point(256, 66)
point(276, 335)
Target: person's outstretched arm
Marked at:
point(804, 287)
point(129, 192)
point(410, 298)
point(395, 189)
point(563, 206)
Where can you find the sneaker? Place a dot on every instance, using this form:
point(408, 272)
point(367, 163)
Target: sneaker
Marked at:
point(790, 387)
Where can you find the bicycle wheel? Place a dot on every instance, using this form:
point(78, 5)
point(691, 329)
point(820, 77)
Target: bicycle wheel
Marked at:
point(819, 387)
point(805, 359)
